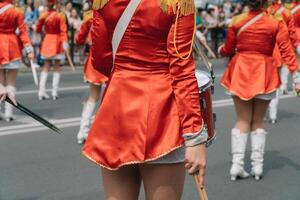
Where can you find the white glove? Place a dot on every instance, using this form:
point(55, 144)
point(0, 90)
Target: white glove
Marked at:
point(296, 77)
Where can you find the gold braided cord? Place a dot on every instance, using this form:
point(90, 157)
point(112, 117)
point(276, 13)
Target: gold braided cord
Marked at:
point(186, 7)
point(183, 57)
point(98, 4)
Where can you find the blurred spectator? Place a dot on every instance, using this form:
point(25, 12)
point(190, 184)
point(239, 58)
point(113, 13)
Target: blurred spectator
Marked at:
point(68, 9)
point(74, 20)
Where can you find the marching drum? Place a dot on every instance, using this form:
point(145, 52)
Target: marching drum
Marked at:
point(205, 84)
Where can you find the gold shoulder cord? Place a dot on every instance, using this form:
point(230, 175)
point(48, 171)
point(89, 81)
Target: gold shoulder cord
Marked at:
point(184, 8)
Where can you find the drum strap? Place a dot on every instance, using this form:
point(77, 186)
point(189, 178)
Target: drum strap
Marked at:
point(123, 24)
point(250, 22)
point(50, 16)
point(279, 11)
point(294, 10)
point(5, 8)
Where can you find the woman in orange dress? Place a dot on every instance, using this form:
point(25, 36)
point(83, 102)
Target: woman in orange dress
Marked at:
point(149, 125)
point(10, 57)
point(282, 12)
point(252, 78)
point(53, 48)
point(92, 76)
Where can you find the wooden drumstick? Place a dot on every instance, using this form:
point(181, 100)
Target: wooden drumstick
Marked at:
point(70, 61)
point(208, 49)
point(201, 190)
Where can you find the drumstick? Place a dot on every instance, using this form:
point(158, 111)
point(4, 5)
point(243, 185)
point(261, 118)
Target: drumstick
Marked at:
point(34, 74)
point(208, 49)
point(201, 190)
point(70, 61)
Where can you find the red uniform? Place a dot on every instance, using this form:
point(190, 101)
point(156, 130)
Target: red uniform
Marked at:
point(10, 21)
point(152, 98)
point(91, 75)
point(282, 13)
point(295, 10)
point(252, 70)
point(55, 27)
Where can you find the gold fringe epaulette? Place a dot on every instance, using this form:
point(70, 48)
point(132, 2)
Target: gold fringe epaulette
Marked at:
point(87, 15)
point(98, 4)
point(20, 9)
point(186, 7)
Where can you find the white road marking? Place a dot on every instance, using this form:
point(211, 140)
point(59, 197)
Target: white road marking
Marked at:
point(73, 122)
point(48, 90)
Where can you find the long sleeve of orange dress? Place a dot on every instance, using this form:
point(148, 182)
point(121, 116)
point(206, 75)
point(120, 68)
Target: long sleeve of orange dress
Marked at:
point(101, 47)
point(183, 74)
point(252, 70)
point(91, 75)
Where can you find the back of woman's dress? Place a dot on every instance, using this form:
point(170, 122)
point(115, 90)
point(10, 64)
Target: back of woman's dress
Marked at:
point(152, 97)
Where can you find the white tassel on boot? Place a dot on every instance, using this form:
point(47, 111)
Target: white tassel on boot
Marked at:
point(55, 85)
point(258, 141)
point(284, 76)
point(273, 107)
point(86, 119)
point(8, 115)
point(42, 87)
point(238, 148)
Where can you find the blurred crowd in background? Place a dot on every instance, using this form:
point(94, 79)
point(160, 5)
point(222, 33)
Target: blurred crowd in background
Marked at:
point(213, 18)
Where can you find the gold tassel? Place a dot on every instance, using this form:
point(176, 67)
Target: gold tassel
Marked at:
point(98, 4)
point(186, 7)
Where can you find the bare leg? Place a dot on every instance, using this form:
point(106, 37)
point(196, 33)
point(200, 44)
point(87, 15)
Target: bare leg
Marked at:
point(11, 77)
point(259, 110)
point(163, 181)
point(2, 76)
point(95, 91)
point(243, 111)
point(123, 184)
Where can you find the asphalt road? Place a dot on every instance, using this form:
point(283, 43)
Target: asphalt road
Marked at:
point(38, 165)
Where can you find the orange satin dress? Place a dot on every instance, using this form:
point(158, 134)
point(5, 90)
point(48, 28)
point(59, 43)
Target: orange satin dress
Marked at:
point(152, 96)
point(295, 9)
point(288, 18)
point(55, 28)
point(252, 70)
point(10, 21)
point(91, 75)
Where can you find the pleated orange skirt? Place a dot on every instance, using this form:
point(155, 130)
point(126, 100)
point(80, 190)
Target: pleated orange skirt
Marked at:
point(248, 75)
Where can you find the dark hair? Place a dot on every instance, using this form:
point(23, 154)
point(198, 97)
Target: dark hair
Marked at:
point(256, 4)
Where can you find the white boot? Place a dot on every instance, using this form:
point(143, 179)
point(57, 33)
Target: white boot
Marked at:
point(55, 85)
point(42, 87)
point(273, 107)
point(284, 76)
point(86, 118)
point(8, 115)
point(238, 148)
point(258, 141)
